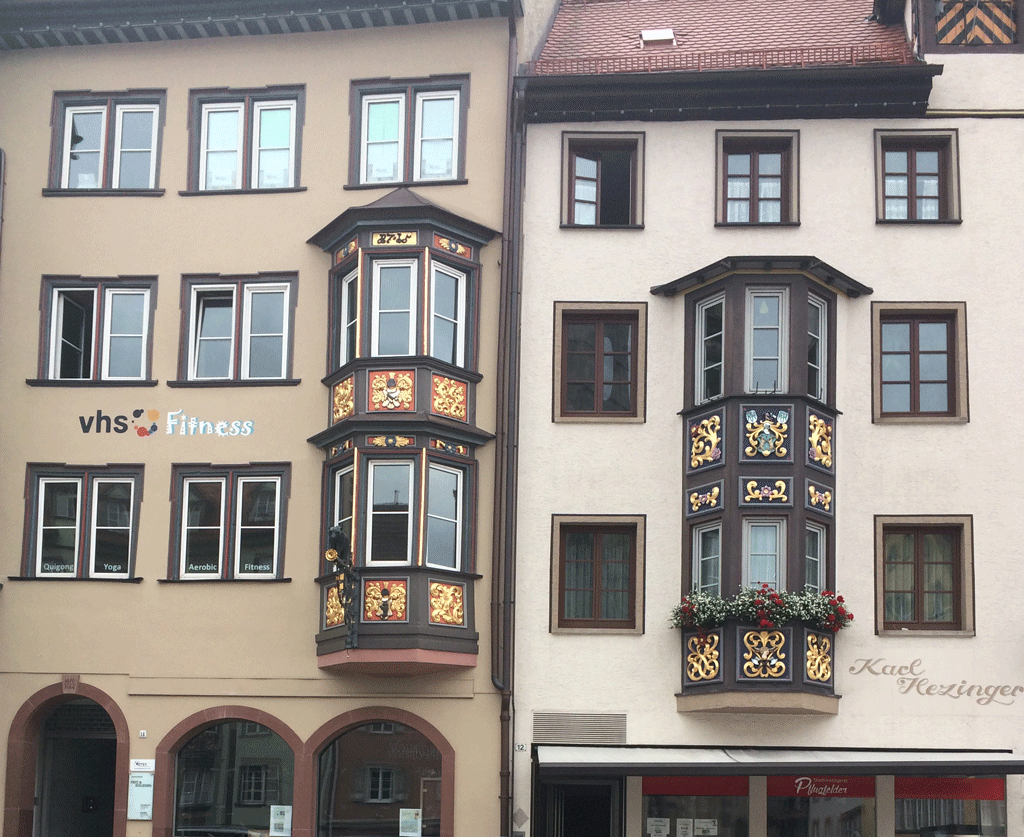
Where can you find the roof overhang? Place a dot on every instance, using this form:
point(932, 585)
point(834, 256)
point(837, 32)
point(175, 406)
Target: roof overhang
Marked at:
point(30, 24)
point(809, 265)
point(863, 91)
point(554, 760)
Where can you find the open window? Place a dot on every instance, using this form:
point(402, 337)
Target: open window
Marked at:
point(602, 179)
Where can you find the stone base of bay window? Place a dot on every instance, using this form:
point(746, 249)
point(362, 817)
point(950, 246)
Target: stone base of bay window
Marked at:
point(744, 668)
point(394, 662)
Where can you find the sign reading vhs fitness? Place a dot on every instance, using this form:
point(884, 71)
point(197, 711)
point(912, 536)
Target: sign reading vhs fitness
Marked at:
point(143, 423)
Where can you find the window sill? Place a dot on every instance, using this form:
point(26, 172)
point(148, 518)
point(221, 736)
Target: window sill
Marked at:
point(597, 630)
point(192, 193)
point(227, 382)
point(756, 224)
point(605, 419)
point(135, 579)
point(601, 226)
point(917, 633)
point(223, 581)
point(397, 184)
point(103, 193)
point(921, 419)
point(70, 382)
point(915, 222)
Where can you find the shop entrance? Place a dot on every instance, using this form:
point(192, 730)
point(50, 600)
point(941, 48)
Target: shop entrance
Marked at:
point(75, 773)
point(583, 810)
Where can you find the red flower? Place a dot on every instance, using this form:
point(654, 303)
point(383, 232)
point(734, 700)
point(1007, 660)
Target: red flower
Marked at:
point(831, 618)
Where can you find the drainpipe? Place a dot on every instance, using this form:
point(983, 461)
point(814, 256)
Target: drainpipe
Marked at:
point(507, 432)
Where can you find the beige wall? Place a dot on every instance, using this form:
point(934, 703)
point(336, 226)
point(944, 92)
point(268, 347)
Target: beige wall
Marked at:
point(165, 651)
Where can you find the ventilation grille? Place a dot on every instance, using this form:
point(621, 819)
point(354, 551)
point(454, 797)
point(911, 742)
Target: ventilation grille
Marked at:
point(575, 728)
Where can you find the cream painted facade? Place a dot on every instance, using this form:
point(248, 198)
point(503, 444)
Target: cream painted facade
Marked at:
point(170, 658)
point(618, 688)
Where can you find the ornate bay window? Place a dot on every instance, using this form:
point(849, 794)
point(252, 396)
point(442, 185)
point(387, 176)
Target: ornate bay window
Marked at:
point(400, 480)
point(760, 419)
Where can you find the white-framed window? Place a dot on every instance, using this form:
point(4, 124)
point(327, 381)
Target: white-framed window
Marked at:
point(348, 342)
point(84, 524)
point(767, 340)
point(710, 348)
point(380, 784)
point(344, 500)
point(817, 347)
point(436, 135)
point(707, 558)
point(448, 314)
point(97, 330)
point(260, 131)
point(389, 519)
point(764, 558)
point(444, 517)
point(239, 330)
point(410, 132)
point(231, 522)
point(815, 546)
point(394, 308)
point(108, 143)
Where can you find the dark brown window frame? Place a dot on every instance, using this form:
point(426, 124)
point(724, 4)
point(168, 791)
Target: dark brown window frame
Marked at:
point(110, 100)
point(408, 88)
point(953, 313)
point(755, 143)
point(946, 142)
point(916, 355)
point(575, 143)
point(599, 320)
point(247, 98)
point(929, 40)
point(600, 312)
point(633, 525)
point(961, 527)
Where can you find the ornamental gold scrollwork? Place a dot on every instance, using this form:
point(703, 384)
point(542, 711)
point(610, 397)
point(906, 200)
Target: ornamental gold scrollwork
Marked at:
point(766, 493)
point(706, 444)
point(702, 663)
point(334, 612)
point(820, 438)
point(767, 432)
point(344, 399)
point(449, 397)
point(704, 498)
point(451, 246)
point(446, 607)
point(819, 498)
point(384, 601)
point(764, 656)
point(391, 390)
point(390, 441)
point(819, 658)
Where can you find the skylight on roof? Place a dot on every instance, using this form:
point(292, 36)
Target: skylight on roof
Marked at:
point(657, 36)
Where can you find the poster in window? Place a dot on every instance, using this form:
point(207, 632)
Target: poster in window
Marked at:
point(410, 822)
point(280, 820)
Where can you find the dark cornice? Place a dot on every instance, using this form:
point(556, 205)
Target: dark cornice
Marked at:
point(870, 91)
point(32, 25)
point(809, 265)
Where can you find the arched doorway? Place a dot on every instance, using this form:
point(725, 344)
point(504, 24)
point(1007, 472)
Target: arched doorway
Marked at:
point(75, 774)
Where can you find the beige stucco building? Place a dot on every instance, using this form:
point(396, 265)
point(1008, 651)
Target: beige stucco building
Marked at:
point(767, 339)
point(249, 291)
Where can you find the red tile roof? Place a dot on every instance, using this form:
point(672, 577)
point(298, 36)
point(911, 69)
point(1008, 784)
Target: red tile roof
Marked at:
point(603, 36)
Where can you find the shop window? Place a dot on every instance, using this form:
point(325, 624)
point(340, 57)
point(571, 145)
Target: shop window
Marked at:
point(918, 176)
point(362, 768)
point(245, 140)
point(598, 573)
point(830, 806)
point(97, 330)
point(924, 567)
point(243, 774)
point(680, 804)
point(238, 329)
point(757, 176)
point(919, 362)
point(84, 521)
point(602, 180)
point(410, 132)
point(229, 522)
point(600, 370)
point(106, 143)
point(951, 805)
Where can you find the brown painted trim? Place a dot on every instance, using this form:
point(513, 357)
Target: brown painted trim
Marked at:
point(348, 720)
point(103, 193)
point(23, 752)
point(68, 382)
point(195, 193)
